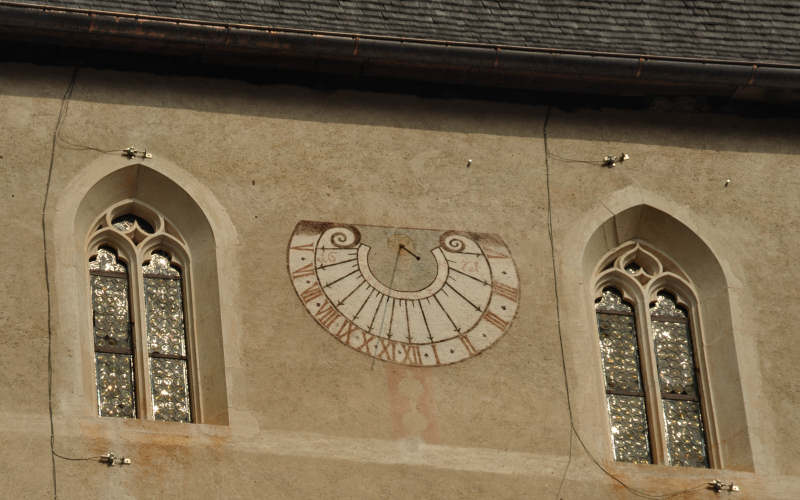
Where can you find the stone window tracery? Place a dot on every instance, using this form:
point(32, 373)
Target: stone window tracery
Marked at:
point(141, 316)
point(647, 323)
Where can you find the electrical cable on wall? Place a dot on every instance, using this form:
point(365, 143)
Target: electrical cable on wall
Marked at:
point(109, 458)
point(61, 112)
point(573, 430)
point(130, 152)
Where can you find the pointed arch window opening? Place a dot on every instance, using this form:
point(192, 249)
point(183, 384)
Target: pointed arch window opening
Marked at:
point(142, 327)
point(654, 391)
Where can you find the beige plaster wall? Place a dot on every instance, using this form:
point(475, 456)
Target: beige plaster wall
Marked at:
point(310, 418)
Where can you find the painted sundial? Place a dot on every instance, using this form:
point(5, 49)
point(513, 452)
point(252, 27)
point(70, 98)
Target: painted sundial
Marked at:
point(410, 296)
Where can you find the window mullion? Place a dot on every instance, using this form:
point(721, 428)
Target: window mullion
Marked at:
point(651, 384)
point(191, 345)
point(142, 358)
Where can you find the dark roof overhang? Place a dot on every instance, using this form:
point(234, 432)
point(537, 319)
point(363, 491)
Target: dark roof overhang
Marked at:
point(362, 55)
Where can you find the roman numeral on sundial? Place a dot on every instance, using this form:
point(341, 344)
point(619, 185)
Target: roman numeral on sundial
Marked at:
point(301, 272)
point(468, 345)
point(385, 345)
point(493, 254)
point(345, 330)
point(411, 355)
point(311, 293)
point(495, 320)
point(308, 247)
point(327, 315)
point(506, 291)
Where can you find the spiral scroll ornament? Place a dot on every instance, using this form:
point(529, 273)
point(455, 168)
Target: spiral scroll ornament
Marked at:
point(454, 242)
point(343, 236)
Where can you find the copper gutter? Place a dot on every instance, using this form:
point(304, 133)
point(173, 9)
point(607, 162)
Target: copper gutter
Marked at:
point(463, 62)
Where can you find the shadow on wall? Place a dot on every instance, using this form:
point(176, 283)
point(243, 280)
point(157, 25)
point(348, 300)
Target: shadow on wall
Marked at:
point(285, 101)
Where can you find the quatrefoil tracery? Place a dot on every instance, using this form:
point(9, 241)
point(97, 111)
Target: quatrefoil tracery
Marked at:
point(636, 269)
point(131, 227)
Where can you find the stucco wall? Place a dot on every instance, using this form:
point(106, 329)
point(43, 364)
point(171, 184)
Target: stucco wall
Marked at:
point(311, 418)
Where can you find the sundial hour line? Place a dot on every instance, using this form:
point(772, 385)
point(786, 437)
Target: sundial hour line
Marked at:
point(340, 249)
point(391, 317)
point(375, 314)
point(408, 323)
point(325, 266)
point(365, 303)
point(425, 319)
point(462, 296)
point(340, 278)
point(484, 282)
point(455, 327)
point(341, 301)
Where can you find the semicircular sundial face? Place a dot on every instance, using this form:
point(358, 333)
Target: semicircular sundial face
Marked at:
point(410, 296)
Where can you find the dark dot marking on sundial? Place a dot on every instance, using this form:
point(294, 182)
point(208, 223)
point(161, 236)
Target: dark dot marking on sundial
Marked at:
point(484, 335)
point(308, 281)
point(317, 304)
point(302, 258)
point(452, 351)
point(503, 307)
point(505, 272)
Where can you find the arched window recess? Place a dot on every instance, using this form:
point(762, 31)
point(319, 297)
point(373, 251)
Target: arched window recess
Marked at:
point(648, 323)
point(140, 281)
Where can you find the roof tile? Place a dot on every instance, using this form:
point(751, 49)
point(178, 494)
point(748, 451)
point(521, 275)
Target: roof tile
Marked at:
point(757, 30)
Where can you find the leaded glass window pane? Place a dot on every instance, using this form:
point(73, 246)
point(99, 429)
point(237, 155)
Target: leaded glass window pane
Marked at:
point(612, 302)
point(115, 394)
point(110, 313)
point(673, 345)
point(170, 387)
point(163, 297)
point(620, 351)
point(166, 340)
point(619, 348)
point(113, 343)
point(686, 439)
point(126, 222)
point(629, 429)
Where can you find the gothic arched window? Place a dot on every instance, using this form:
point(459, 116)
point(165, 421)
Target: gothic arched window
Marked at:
point(141, 315)
point(647, 321)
